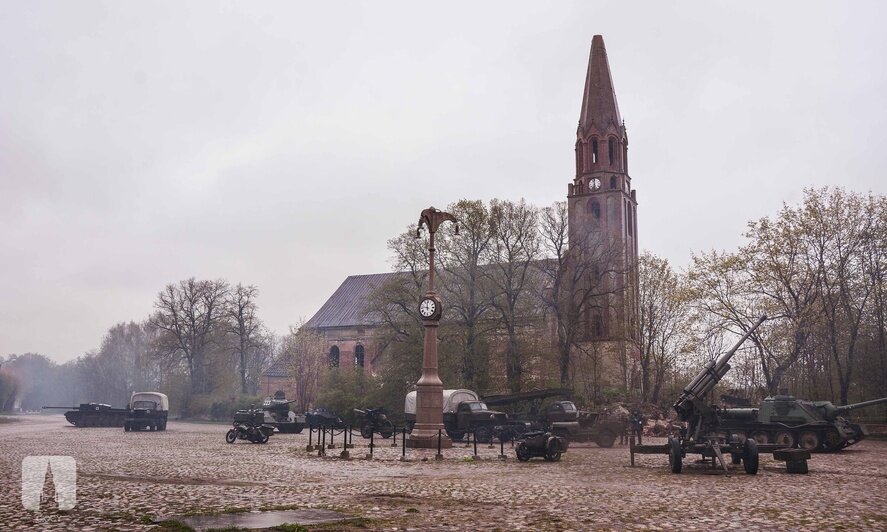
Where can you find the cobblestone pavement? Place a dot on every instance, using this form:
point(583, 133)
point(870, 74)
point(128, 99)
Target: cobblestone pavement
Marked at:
point(127, 479)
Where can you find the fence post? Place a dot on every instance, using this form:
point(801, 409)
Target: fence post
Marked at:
point(321, 451)
point(332, 436)
point(394, 435)
point(403, 442)
point(372, 444)
point(438, 456)
point(474, 437)
point(502, 449)
point(310, 441)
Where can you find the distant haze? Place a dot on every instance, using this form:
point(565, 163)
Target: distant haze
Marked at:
point(282, 144)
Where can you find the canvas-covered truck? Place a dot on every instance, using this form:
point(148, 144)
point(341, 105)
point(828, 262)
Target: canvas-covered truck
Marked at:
point(147, 411)
point(464, 413)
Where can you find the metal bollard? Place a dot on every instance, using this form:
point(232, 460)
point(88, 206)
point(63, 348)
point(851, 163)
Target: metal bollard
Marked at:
point(502, 449)
point(321, 451)
point(310, 442)
point(474, 437)
point(438, 456)
point(403, 449)
point(394, 441)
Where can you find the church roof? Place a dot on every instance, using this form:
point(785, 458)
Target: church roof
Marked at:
point(345, 308)
point(278, 369)
point(599, 105)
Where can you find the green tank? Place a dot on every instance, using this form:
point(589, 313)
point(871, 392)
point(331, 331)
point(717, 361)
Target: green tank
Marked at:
point(93, 415)
point(790, 422)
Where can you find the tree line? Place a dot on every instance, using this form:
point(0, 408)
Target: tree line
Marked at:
point(521, 293)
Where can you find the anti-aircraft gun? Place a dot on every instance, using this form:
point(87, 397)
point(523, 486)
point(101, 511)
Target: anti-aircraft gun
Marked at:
point(703, 434)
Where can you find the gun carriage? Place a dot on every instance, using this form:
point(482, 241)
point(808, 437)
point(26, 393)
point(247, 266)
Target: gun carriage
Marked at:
point(704, 433)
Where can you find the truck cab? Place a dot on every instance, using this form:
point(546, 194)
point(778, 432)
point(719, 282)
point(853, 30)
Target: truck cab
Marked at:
point(147, 410)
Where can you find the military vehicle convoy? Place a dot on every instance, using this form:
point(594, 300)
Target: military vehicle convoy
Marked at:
point(790, 422)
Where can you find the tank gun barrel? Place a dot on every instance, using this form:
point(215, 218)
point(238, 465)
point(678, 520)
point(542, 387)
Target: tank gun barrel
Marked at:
point(864, 404)
point(710, 375)
point(277, 405)
point(62, 407)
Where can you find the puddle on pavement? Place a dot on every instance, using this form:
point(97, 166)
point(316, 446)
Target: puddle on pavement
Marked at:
point(263, 519)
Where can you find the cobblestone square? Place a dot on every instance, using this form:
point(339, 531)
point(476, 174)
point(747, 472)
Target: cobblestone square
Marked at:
point(128, 480)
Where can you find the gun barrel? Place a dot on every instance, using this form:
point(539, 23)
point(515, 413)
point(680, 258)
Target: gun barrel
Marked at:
point(710, 375)
point(864, 404)
point(63, 407)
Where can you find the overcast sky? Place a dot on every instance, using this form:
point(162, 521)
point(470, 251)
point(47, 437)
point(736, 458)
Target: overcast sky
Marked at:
point(282, 144)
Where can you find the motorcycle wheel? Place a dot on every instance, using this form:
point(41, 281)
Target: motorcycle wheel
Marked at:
point(523, 453)
point(261, 437)
point(552, 454)
point(231, 436)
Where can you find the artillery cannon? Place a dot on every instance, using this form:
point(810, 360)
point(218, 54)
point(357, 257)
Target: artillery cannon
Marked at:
point(790, 422)
point(92, 415)
point(703, 434)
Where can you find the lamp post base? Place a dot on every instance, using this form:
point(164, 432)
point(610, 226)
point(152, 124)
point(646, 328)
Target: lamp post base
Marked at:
point(426, 437)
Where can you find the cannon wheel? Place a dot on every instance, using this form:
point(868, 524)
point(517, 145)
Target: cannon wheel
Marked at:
point(784, 438)
point(231, 436)
point(388, 430)
point(809, 440)
point(483, 435)
point(606, 438)
point(523, 454)
point(675, 458)
point(455, 435)
point(366, 431)
point(126, 427)
point(750, 457)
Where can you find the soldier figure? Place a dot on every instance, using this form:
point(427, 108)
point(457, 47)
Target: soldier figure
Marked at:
point(636, 424)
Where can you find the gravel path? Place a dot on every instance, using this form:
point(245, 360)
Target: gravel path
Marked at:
point(128, 479)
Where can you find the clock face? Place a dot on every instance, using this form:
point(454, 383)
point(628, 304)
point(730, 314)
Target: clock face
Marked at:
point(427, 308)
point(594, 184)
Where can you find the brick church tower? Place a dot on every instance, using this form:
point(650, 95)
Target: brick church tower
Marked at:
point(603, 219)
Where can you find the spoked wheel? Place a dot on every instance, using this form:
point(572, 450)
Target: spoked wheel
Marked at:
point(675, 455)
point(523, 453)
point(809, 440)
point(750, 457)
point(261, 437)
point(231, 436)
point(784, 438)
point(740, 436)
point(387, 430)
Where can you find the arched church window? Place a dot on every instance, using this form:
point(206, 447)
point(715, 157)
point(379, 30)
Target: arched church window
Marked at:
point(611, 150)
point(630, 222)
point(593, 151)
point(580, 167)
point(595, 209)
point(613, 182)
point(359, 356)
point(334, 356)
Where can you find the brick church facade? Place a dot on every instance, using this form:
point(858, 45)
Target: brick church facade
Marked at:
point(602, 207)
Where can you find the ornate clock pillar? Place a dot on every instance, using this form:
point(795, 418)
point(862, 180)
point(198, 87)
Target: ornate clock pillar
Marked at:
point(429, 389)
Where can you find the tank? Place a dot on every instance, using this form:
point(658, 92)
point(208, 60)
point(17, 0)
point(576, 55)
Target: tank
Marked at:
point(791, 422)
point(93, 415)
point(278, 414)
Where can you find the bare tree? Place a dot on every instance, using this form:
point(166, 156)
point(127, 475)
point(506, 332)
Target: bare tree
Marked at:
point(303, 351)
point(514, 248)
point(245, 327)
point(189, 315)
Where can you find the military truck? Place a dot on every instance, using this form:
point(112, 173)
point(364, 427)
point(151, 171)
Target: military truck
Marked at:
point(464, 413)
point(147, 411)
point(790, 422)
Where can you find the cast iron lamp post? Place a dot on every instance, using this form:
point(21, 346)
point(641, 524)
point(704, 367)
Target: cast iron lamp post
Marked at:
point(429, 389)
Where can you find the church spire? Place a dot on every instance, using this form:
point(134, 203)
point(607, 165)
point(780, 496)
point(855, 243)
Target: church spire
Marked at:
point(599, 108)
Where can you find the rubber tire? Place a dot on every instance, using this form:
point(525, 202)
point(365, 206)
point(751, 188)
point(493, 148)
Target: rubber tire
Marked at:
point(483, 435)
point(750, 457)
point(760, 437)
point(261, 437)
point(788, 439)
point(813, 441)
point(522, 452)
point(163, 425)
point(366, 432)
point(675, 458)
point(605, 439)
point(126, 427)
point(387, 430)
point(551, 452)
point(231, 436)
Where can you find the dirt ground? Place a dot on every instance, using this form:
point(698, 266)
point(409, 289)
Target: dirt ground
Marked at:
point(128, 480)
